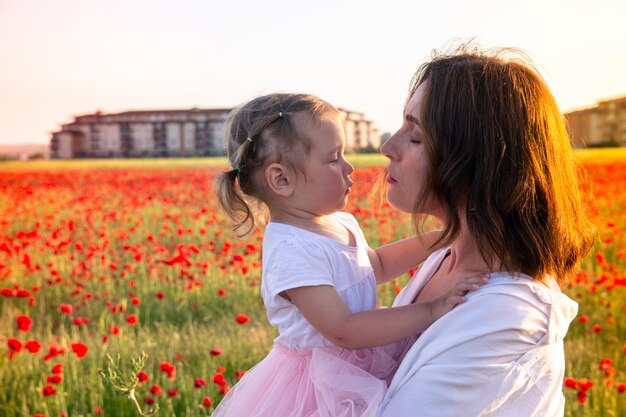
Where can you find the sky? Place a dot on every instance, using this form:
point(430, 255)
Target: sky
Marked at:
point(62, 58)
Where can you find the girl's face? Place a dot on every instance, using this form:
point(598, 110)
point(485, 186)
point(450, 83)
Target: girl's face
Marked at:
point(408, 161)
point(326, 183)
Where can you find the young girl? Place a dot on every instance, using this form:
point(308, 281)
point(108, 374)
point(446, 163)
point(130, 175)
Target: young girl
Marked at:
point(319, 275)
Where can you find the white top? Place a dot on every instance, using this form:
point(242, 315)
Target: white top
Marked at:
point(498, 354)
point(294, 257)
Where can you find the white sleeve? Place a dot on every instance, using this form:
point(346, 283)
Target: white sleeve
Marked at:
point(294, 264)
point(475, 361)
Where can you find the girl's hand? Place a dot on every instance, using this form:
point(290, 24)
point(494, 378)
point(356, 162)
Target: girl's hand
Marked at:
point(447, 302)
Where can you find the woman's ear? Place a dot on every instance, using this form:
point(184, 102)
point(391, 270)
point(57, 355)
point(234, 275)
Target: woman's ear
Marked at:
point(280, 179)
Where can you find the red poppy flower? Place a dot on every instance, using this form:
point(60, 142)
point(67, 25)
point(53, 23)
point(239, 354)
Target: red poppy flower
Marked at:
point(132, 319)
point(15, 346)
point(24, 323)
point(57, 368)
point(114, 330)
point(22, 293)
point(66, 308)
point(80, 349)
point(53, 351)
point(54, 379)
point(172, 392)
point(148, 400)
point(156, 390)
point(49, 390)
point(219, 379)
point(215, 352)
point(199, 383)
point(206, 401)
point(242, 319)
point(169, 369)
point(33, 346)
point(142, 376)
point(7, 292)
point(621, 388)
point(160, 295)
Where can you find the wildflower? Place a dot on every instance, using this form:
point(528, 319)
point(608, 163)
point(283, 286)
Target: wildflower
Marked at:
point(57, 368)
point(66, 308)
point(132, 319)
point(33, 346)
point(172, 392)
point(199, 383)
point(148, 400)
point(15, 346)
point(242, 319)
point(53, 351)
point(583, 319)
point(219, 379)
point(160, 295)
point(215, 352)
point(156, 390)
point(7, 292)
point(54, 379)
point(49, 390)
point(142, 376)
point(597, 328)
point(80, 349)
point(206, 401)
point(621, 388)
point(24, 323)
point(169, 369)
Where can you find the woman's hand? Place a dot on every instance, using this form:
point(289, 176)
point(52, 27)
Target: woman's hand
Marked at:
point(447, 302)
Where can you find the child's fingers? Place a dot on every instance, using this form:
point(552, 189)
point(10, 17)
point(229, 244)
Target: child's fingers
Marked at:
point(453, 300)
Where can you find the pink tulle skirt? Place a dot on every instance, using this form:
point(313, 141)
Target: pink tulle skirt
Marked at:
point(318, 382)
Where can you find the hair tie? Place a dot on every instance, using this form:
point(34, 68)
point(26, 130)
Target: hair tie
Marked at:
point(237, 170)
point(280, 114)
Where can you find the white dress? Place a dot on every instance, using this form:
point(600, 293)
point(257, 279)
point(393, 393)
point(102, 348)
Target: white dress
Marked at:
point(304, 375)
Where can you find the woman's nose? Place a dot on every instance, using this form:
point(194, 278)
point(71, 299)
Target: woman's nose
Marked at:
point(387, 148)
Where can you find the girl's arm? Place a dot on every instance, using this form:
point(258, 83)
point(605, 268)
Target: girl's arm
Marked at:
point(392, 260)
point(323, 307)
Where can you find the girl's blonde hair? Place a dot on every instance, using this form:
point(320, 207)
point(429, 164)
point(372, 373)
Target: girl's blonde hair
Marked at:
point(257, 133)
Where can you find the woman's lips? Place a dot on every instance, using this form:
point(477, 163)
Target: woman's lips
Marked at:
point(390, 179)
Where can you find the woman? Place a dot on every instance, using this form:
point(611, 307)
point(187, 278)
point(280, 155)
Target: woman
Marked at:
point(484, 148)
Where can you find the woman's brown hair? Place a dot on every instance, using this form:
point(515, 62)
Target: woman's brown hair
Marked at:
point(497, 144)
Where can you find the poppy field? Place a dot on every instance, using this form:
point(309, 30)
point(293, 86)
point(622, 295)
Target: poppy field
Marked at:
point(123, 290)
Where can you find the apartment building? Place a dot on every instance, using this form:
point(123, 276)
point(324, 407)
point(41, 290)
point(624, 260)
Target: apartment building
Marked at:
point(601, 125)
point(170, 133)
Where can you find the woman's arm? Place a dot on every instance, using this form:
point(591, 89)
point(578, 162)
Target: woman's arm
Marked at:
point(394, 259)
point(323, 307)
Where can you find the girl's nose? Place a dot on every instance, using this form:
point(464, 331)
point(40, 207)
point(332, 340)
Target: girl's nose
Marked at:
point(349, 168)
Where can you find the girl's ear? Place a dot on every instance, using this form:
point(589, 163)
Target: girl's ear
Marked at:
point(280, 179)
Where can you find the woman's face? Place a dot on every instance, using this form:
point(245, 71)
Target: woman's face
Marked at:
point(408, 162)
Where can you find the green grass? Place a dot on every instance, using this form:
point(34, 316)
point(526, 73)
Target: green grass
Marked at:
point(111, 216)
